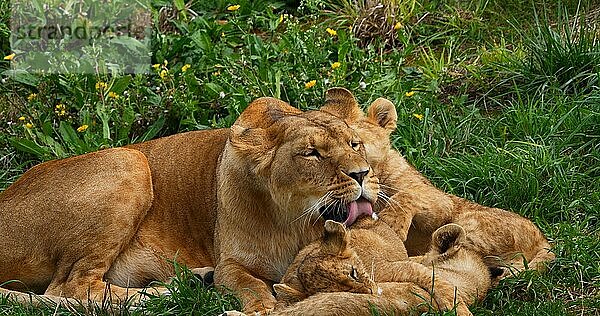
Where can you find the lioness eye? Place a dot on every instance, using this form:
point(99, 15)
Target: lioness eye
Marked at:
point(311, 153)
point(355, 145)
point(354, 274)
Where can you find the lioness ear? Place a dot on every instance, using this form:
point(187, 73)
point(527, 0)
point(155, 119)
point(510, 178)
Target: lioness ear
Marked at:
point(383, 112)
point(287, 295)
point(263, 112)
point(250, 133)
point(448, 239)
point(336, 238)
point(341, 103)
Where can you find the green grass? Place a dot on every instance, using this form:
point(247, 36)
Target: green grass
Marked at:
point(509, 98)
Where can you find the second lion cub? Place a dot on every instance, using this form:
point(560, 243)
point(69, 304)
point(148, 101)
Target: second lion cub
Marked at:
point(329, 277)
point(416, 208)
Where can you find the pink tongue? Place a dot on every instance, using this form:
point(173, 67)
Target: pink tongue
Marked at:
point(356, 209)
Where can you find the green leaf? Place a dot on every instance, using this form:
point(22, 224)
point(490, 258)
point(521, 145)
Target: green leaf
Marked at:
point(153, 130)
point(69, 135)
point(213, 88)
point(180, 5)
point(29, 146)
point(202, 40)
point(23, 77)
point(128, 117)
point(121, 84)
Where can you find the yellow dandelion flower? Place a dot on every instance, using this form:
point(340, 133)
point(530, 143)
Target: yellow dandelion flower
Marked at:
point(31, 97)
point(113, 95)
point(185, 67)
point(62, 113)
point(410, 93)
point(398, 26)
point(101, 85)
point(60, 106)
point(418, 116)
point(335, 65)
point(331, 31)
point(29, 125)
point(310, 84)
point(233, 7)
point(165, 62)
point(156, 66)
point(163, 74)
point(22, 118)
point(82, 128)
point(10, 57)
point(280, 19)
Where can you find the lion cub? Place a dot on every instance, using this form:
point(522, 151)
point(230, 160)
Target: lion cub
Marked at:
point(328, 277)
point(415, 208)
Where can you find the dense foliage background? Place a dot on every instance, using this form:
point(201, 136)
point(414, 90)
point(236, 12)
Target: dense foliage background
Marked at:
point(498, 102)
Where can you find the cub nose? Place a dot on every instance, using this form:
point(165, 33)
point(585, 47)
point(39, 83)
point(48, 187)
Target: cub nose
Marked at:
point(358, 175)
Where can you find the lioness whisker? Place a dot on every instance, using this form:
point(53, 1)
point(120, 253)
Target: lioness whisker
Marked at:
point(306, 214)
point(327, 206)
point(392, 190)
point(389, 201)
point(383, 199)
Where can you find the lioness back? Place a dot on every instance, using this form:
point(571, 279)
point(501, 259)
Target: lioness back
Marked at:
point(180, 223)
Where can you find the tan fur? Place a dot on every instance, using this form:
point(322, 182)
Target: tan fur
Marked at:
point(244, 200)
point(116, 216)
point(261, 227)
point(416, 208)
point(328, 278)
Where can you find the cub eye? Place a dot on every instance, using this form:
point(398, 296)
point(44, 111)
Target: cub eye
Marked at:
point(311, 153)
point(353, 274)
point(355, 145)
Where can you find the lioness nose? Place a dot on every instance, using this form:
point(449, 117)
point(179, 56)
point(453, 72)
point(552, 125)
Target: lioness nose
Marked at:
point(358, 175)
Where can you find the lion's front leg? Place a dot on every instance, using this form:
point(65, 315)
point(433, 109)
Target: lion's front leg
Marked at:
point(255, 293)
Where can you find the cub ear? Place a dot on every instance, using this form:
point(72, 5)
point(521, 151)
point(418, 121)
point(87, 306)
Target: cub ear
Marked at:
point(341, 103)
point(448, 239)
point(250, 132)
point(286, 294)
point(336, 238)
point(383, 112)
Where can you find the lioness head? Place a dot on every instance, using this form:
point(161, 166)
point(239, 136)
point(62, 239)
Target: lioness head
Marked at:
point(374, 128)
point(327, 265)
point(312, 163)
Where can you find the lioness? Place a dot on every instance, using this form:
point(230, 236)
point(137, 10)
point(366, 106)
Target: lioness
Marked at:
point(314, 283)
point(416, 208)
point(244, 199)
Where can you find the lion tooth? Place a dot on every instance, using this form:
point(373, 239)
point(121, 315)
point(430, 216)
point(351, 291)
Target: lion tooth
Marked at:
point(374, 216)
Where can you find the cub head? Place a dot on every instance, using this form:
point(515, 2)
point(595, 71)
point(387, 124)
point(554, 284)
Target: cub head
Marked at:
point(455, 262)
point(327, 265)
point(311, 164)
